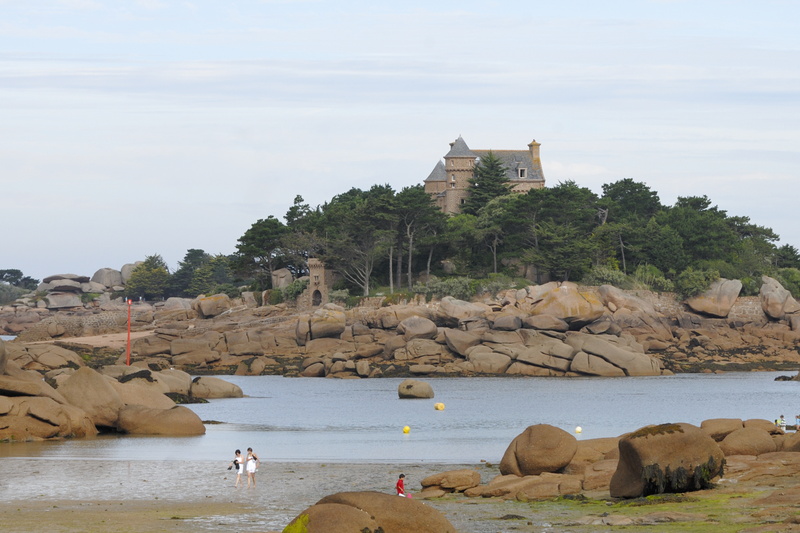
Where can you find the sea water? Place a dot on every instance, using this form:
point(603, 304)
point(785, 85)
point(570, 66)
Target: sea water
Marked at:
point(330, 420)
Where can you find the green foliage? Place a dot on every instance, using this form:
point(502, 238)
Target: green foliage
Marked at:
point(649, 277)
point(458, 287)
point(273, 297)
point(692, 282)
point(339, 295)
point(604, 275)
point(87, 297)
point(353, 301)
point(493, 284)
point(790, 279)
point(398, 297)
point(149, 280)
point(294, 289)
point(489, 182)
point(259, 253)
point(9, 293)
point(15, 278)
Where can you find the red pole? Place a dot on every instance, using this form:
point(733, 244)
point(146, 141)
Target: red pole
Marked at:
point(128, 351)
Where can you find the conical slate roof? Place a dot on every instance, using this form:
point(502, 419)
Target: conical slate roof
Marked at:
point(459, 149)
point(439, 173)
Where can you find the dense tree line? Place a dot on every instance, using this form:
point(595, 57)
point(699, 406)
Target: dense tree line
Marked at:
point(387, 240)
point(625, 236)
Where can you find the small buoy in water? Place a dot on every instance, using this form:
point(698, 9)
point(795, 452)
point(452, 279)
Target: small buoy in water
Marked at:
point(406, 429)
point(439, 406)
point(578, 429)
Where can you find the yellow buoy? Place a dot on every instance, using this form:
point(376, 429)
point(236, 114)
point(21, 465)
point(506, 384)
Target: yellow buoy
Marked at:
point(578, 429)
point(438, 406)
point(406, 429)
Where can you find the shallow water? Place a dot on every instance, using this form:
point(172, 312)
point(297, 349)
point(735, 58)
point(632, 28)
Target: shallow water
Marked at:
point(329, 420)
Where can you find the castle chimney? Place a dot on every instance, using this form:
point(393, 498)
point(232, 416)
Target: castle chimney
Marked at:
point(534, 148)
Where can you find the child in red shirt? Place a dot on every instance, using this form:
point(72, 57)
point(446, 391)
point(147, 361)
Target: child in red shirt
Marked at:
point(400, 486)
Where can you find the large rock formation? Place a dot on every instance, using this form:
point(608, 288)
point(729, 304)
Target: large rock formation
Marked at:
point(178, 421)
point(666, 458)
point(718, 299)
point(776, 301)
point(540, 448)
point(346, 512)
point(413, 388)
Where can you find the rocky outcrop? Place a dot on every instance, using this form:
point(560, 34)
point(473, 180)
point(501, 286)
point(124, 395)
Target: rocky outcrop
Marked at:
point(666, 458)
point(540, 448)
point(210, 387)
point(40, 417)
point(748, 441)
point(211, 306)
point(776, 301)
point(414, 389)
point(346, 512)
point(718, 299)
point(327, 322)
point(90, 391)
point(177, 421)
point(108, 278)
point(438, 485)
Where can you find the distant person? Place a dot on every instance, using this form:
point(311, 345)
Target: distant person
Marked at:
point(782, 423)
point(400, 486)
point(238, 464)
point(251, 464)
point(797, 422)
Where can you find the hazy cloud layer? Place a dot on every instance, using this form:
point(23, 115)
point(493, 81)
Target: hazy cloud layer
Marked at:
point(140, 127)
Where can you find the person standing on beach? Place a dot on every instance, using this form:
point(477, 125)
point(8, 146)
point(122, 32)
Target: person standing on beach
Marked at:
point(251, 465)
point(400, 486)
point(238, 464)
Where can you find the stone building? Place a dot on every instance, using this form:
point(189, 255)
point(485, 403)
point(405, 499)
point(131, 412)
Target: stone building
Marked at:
point(320, 281)
point(449, 183)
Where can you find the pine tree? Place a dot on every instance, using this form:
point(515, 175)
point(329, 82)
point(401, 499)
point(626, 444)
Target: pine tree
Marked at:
point(488, 183)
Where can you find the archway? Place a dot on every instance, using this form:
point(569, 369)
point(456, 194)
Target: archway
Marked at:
point(316, 298)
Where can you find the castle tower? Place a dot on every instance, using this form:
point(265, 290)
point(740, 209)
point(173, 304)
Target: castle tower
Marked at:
point(449, 184)
point(317, 283)
point(459, 165)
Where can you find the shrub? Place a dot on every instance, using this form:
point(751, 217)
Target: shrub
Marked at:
point(790, 279)
point(339, 295)
point(87, 297)
point(692, 282)
point(494, 284)
point(294, 289)
point(353, 301)
point(438, 288)
point(273, 296)
point(9, 293)
point(652, 278)
point(604, 275)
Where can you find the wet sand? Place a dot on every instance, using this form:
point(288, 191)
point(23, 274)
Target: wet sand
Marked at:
point(80, 495)
point(66, 495)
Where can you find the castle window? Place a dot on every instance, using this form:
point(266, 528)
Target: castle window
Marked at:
point(452, 185)
point(452, 177)
point(522, 173)
point(463, 201)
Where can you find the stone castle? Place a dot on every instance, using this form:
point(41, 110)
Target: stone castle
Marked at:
point(449, 184)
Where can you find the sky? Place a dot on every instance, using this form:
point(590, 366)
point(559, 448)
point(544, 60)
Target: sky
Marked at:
point(137, 127)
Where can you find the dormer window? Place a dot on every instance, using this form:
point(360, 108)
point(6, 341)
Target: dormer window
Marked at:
point(522, 173)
